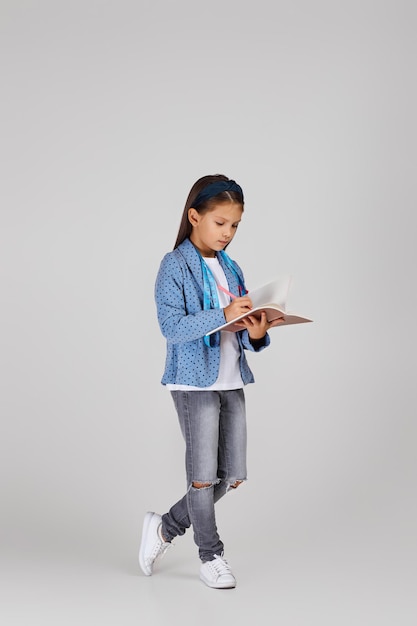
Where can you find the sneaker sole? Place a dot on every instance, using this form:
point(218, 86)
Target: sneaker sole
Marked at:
point(229, 585)
point(146, 522)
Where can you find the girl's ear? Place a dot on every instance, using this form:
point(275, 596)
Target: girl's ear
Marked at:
point(193, 216)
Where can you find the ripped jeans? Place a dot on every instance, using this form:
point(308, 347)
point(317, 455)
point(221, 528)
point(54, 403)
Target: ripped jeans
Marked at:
point(213, 424)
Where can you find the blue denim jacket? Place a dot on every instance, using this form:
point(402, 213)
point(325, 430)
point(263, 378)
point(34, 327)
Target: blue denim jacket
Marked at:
point(183, 321)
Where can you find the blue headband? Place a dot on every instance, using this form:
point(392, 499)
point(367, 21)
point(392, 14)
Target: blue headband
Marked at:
point(213, 189)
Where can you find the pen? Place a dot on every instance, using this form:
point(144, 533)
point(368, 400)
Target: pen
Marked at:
point(232, 295)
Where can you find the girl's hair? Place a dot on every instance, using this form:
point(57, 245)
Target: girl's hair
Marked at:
point(204, 206)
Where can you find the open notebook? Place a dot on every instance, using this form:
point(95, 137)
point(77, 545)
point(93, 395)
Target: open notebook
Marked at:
point(272, 299)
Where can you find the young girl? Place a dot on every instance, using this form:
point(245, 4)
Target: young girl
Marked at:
point(199, 288)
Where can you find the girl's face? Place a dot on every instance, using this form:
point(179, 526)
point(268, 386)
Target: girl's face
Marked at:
point(213, 230)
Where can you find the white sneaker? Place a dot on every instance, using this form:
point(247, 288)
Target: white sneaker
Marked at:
point(217, 573)
point(152, 545)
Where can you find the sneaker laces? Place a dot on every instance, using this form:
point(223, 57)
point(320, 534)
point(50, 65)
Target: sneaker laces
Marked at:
point(159, 550)
point(220, 565)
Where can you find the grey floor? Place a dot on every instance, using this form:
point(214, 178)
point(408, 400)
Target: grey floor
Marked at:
point(306, 571)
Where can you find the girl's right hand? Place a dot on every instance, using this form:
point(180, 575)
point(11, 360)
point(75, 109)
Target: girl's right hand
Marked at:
point(237, 307)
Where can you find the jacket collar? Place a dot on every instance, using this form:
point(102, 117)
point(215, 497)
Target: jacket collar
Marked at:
point(192, 258)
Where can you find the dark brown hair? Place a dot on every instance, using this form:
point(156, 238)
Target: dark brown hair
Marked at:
point(185, 228)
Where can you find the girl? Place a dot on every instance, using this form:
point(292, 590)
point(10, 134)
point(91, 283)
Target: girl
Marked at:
point(205, 373)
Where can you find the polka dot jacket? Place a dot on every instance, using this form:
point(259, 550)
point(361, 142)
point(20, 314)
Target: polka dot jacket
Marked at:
point(183, 321)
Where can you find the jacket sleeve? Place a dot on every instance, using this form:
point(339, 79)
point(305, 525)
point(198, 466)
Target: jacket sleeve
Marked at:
point(176, 323)
point(259, 345)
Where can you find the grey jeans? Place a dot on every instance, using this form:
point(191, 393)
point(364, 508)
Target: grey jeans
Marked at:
point(213, 424)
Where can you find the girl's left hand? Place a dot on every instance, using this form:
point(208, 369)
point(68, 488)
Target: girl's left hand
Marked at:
point(258, 327)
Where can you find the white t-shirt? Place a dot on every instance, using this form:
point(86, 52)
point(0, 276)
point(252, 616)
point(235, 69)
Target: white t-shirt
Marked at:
point(229, 370)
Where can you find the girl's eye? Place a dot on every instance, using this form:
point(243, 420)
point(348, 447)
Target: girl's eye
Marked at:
point(219, 223)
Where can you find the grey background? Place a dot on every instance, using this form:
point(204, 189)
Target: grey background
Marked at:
point(110, 112)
